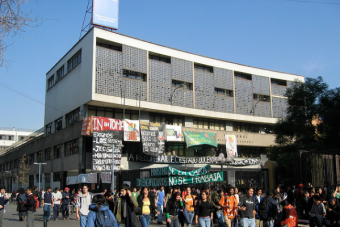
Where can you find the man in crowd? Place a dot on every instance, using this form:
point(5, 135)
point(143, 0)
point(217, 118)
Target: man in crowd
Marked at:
point(230, 207)
point(84, 200)
point(160, 197)
point(30, 208)
point(124, 207)
point(56, 203)
point(317, 213)
point(3, 200)
point(66, 203)
point(47, 201)
point(41, 194)
point(246, 209)
point(258, 198)
point(268, 209)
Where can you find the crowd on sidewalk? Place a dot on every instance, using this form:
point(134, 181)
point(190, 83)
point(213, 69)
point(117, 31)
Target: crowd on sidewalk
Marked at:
point(223, 206)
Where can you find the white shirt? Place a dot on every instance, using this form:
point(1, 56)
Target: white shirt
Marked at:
point(83, 203)
point(57, 197)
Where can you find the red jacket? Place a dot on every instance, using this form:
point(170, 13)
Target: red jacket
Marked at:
point(291, 219)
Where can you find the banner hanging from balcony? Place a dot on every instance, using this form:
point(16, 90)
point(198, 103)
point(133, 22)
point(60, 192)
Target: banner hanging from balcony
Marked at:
point(153, 138)
point(180, 180)
point(200, 138)
point(106, 132)
point(231, 145)
point(86, 126)
point(131, 130)
point(173, 133)
point(167, 171)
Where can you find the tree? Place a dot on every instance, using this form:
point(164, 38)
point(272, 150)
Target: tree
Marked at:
point(311, 124)
point(13, 22)
point(23, 170)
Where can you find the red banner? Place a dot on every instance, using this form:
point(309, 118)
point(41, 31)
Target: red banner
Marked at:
point(86, 127)
point(103, 123)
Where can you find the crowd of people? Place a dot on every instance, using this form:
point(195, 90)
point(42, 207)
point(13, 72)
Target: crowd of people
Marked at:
point(223, 206)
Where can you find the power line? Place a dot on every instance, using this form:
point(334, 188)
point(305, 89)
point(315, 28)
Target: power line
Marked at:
point(314, 2)
point(26, 96)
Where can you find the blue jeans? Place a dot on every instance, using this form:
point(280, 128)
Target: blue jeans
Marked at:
point(47, 212)
point(247, 222)
point(268, 223)
point(191, 215)
point(145, 219)
point(83, 220)
point(220, 218)
point(160, 210)
point(204, 222)
point(56, 210)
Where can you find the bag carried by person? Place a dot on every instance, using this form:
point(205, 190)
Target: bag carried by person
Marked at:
point(263, 209)
point(36, 202)
point(104, 219)
point(22, 198)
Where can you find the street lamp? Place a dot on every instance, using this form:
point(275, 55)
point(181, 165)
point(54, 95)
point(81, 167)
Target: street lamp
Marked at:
point(172, 93)
point(39, 163)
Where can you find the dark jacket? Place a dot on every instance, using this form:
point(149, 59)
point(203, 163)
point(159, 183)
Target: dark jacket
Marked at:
point(334, 214)
point(171, 207)
point(140, 203)
point(271, 208)
point(131, 204)
point(3, 201)
point(66, 200)
point(30, 203)
point(257, 204)
point(20, 207)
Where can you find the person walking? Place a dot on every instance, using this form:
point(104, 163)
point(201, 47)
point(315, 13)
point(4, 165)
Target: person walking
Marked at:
point(246, 209)
point(146, 206)
point(189, 201)
point(258, 198)
point(172, 206)
point(66, 199)
point(30, 208)
point(230, 208)
point(204, 211)
point(57, 196)
point(100, 214)
point(41, 194)
point(47, 201)
point(160, 197)
point(36, 193)
point(268, 209)
point(21, 200)
point(3, 200)
point(84, 200)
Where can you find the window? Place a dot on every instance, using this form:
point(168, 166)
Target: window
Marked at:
point(40, 156)
point(72, 147)
point(224, 92)
point(37, 177)
point(50, 82)
point(57, 151)
point(166, 119)
point(30, 159)
point(278, 82)
point(74, 61)
point(48, 154)
point(263, 98)
point(204, 68)
point(60, 73)
point(115, 46)
point(47, 178)
point(56, 177)
point(21, 137)
point(160, 58)
point(208, 124)
point(177, 149)
point(181, 84)
point(58, 124)
point(134, 75)
point(49, 129)
point(243, 76)
point(72, 117)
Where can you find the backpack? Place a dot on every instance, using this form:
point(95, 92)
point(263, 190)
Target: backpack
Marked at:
point(22, 198)
point(36, 202)
point(104, 219)
point(263, 209)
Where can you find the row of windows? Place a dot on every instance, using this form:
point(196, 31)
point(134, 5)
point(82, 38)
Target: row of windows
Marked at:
point(134, 75)
point(11, 137)
point(209, 124)
point(70, 118)
point(71, 64)
point(56, 177)
point(224, 92)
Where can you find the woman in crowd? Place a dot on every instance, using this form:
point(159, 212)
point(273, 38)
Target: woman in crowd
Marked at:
point(204, 211)
point(21, 198)
point(100, 214)
point(189, 201)
point(109, 199)
point(146, 205)
point(237, 194)
point(174, 204)
point(168, 195)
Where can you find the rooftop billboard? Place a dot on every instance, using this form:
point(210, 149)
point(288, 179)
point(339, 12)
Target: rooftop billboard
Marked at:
point(105, 13)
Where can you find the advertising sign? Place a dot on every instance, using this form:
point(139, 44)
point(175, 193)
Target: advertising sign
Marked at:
point(199, 138)
point(180, 180)
point(105, 13)
point(106, 131)
point(86, 127)
point(153, 140)
point(166, 171)
point(173, 133)
point(231, 146)
point(131, 130)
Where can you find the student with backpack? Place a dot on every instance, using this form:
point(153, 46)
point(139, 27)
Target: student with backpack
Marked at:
point(31, 205)
point(47, 201)
point(84, 200)
point(268, 209)
point(100, 214)
point(22, 198)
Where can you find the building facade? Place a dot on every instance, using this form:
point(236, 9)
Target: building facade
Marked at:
point(112, 75)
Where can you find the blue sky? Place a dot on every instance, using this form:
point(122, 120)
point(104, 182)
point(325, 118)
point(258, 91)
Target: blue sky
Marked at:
point(282, 35)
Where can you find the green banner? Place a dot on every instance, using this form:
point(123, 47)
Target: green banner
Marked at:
point(167, 171)
point(180, 180)
point(199, 138)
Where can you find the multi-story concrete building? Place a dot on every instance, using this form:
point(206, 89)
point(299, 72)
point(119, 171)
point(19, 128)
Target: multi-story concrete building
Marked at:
point(9, 136)
point(112, 75)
